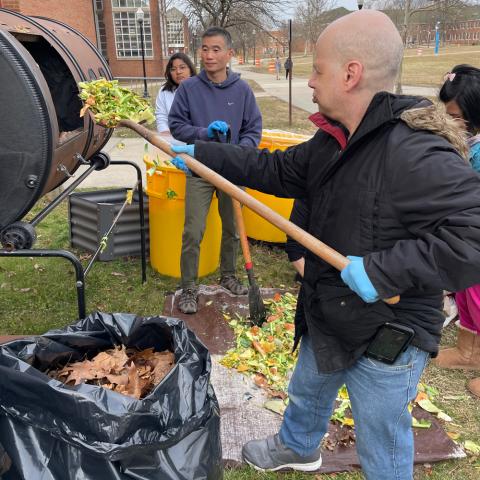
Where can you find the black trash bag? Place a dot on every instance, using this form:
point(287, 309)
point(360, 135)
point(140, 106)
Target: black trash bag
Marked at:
point(57, 432)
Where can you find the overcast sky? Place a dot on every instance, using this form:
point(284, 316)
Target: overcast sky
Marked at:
point(348, 4)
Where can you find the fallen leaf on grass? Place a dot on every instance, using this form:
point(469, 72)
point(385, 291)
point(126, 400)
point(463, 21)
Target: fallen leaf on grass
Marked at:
point(443, 416)
point(117, 274)
point(471, 447)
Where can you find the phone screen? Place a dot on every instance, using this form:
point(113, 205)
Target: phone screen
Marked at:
point(388, 343)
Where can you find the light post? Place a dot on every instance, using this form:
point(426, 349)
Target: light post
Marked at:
point(437, 37)
point(140, 17)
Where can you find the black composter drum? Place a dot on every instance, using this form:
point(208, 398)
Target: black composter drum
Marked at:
point(43, 140)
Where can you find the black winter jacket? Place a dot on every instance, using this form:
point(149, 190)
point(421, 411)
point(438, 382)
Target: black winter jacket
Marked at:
point(403, 199)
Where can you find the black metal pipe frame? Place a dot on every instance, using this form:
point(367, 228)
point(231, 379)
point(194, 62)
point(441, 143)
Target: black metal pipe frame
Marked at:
point(79, 273)
point(40, 216)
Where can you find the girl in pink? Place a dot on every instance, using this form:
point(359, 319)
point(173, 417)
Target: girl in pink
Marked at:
point(461, 95)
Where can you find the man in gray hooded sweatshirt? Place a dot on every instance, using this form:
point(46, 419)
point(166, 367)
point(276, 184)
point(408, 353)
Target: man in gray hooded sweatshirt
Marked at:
point(206, 107)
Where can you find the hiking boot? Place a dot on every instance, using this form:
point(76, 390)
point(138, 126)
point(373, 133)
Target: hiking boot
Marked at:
point(270, 455)
point(231, 282)
point(465, 355)
point(187, 303)
point(474, 386)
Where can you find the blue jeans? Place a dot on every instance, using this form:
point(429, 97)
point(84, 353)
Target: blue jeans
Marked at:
point(379, 395)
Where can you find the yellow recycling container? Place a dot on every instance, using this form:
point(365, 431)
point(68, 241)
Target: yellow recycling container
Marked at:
point(256, 226)
point(166, 196)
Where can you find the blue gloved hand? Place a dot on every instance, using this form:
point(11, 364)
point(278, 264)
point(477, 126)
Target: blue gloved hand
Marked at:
point(355, 276)
point(219, 126)
point(178, 161)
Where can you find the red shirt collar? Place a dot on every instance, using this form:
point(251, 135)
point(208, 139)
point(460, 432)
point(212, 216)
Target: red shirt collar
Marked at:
point(335, 131)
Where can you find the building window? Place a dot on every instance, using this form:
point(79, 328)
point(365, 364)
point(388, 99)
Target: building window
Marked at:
point(175, 33)
point(130, 3)
point(127, 30)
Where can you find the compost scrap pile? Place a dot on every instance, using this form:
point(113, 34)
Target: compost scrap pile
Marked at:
point(122, 370)
point(110, 103)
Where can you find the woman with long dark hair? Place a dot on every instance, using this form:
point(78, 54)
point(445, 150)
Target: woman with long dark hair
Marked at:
point(461, 95)
point(178, 69)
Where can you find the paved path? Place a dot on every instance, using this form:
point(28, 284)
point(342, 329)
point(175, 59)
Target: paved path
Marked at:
point(301, 94)
point(117, 148)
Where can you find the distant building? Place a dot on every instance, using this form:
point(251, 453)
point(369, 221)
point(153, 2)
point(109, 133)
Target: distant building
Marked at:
point(113, 27)
point(464, 32)
point(178, 37)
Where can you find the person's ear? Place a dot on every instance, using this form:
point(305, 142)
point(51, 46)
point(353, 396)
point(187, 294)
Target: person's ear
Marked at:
point(352, 74)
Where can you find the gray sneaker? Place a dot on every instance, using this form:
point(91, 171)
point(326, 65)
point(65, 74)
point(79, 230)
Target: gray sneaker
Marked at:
point(231, 282)
point(270, 455)
point(187, 303)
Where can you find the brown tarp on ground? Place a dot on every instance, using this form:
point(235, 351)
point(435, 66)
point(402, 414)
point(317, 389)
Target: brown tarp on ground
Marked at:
point(241, 401)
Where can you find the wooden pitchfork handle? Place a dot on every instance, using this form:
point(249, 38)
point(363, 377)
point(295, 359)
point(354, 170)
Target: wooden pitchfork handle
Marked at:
point(242, 233)
point(317, 247)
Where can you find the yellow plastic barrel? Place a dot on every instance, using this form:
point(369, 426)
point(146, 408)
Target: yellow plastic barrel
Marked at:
point(256, 226)
point(166, 195)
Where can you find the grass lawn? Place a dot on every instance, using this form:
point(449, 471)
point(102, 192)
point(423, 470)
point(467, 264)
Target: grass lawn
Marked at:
point(426, 69)
point(39, 294)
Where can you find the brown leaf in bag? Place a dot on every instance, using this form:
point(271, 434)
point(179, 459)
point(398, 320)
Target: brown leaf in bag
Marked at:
point(130, 372)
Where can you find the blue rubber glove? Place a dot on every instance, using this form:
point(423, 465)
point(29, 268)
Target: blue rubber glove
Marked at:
point(355, 276)
point(178, 161)
point(218, 125)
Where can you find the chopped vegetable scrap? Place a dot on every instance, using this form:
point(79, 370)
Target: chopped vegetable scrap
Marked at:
point(266, 351)
point(127, 371)
point(171, 194)
point(110, 103)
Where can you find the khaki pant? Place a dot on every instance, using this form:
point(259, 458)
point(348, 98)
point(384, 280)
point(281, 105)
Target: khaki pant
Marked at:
point(198, 198)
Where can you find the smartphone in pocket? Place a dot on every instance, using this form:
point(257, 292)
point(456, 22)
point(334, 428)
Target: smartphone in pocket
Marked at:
point(389, 342)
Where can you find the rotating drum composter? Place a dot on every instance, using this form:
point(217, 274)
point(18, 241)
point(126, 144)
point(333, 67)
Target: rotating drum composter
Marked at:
point(42, 137)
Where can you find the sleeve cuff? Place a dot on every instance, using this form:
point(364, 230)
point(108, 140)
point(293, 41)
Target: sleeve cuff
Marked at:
point(203, 134)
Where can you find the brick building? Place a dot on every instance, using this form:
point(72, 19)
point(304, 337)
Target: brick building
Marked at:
point(178, 38)
point(81, 17)
point(111, 25)
point(465, 32)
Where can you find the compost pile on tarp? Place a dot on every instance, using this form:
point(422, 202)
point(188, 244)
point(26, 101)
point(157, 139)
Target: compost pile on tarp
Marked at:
point(48, 428)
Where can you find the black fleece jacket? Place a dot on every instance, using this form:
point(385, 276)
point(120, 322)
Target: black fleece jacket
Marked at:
point(403, 199)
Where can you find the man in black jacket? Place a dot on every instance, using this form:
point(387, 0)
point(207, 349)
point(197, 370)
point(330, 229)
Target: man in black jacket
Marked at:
point(398, 198)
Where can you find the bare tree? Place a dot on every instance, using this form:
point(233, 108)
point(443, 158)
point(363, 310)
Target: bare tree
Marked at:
point(402, 11)
point(309, 15)
point(230, 13)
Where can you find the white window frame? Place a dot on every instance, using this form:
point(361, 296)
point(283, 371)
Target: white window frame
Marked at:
point(126, 29)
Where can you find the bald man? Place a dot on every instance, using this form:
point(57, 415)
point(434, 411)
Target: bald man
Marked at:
point(383, 184)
